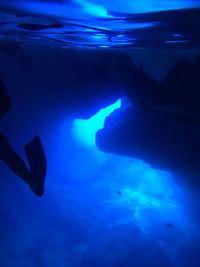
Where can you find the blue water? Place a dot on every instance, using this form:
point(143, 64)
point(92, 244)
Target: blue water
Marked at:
point(99, 209)
point(102, 23)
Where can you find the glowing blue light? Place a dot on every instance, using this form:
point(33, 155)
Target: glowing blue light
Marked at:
point(153, 189)
point(93, 9)
point(96, 10)
point(85, 130)
point(154, 198)
point(150, 195)
point(104, 46)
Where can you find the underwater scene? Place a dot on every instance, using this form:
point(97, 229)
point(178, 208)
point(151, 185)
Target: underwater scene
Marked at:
point(99, 133)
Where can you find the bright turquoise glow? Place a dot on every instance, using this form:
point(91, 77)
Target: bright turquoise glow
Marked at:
point(150, 195)
point(85, 130)
point(93, 9)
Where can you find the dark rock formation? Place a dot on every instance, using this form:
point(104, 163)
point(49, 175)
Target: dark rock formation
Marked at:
point(5, 101)
point(165, 132)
